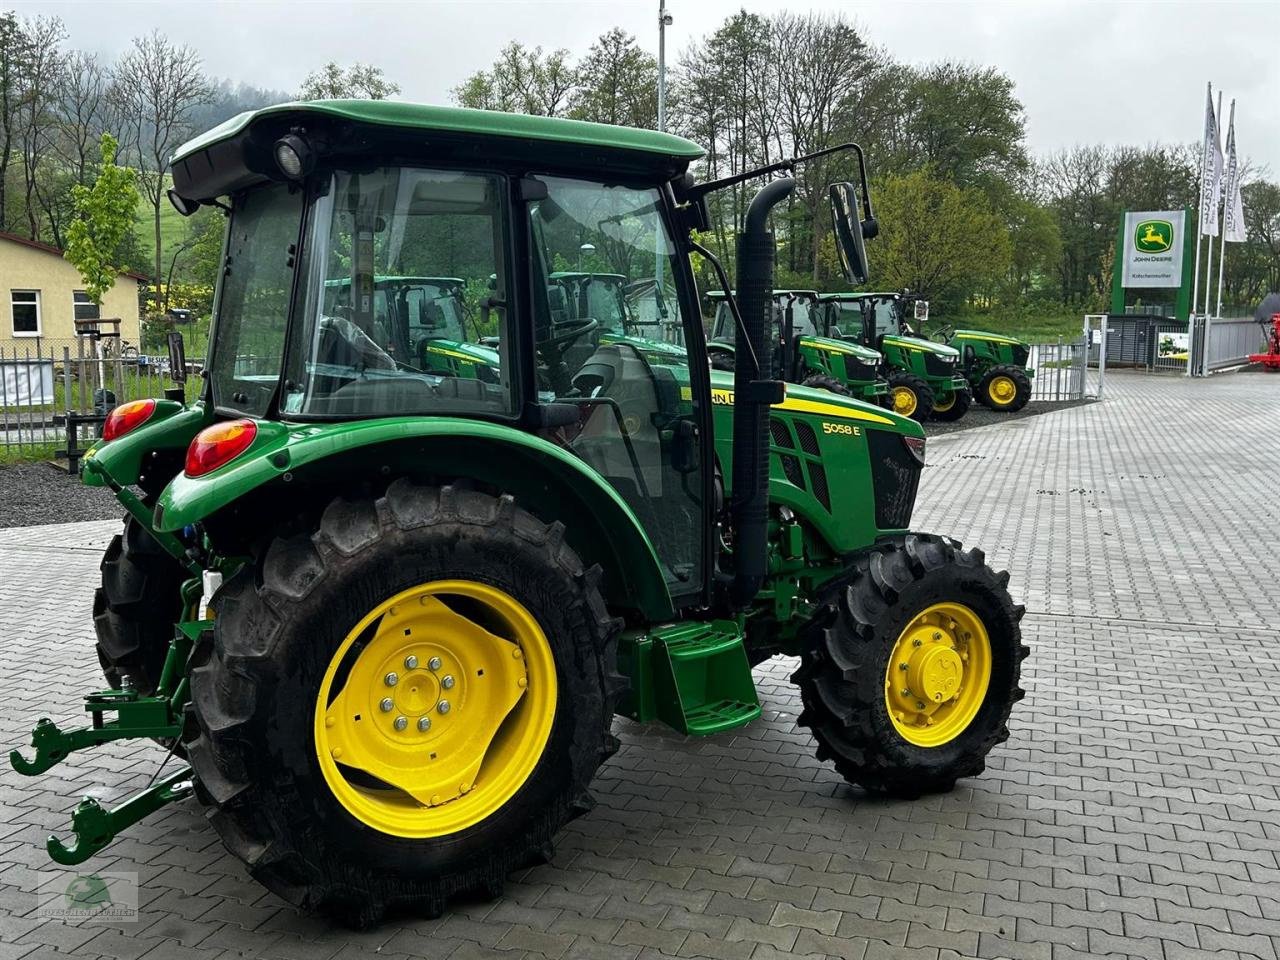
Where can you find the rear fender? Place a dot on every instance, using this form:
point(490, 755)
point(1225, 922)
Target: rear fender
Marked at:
point(549, 481)
point(122, 461)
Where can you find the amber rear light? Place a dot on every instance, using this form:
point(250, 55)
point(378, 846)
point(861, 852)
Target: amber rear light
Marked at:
point(218, 445)
point(126, 417)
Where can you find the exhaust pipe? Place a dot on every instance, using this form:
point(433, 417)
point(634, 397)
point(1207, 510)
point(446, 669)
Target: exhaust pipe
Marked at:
point(754, 391)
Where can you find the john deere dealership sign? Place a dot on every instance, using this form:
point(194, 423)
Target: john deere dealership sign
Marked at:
point(1153, 248)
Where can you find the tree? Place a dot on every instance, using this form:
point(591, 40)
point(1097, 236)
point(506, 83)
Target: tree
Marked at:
point(12, 56)
point(105, 214)
point(156, 86)
point(521, 80)
point(41, 78)
point(357, 82)
point(617, 82)
point(939, 239)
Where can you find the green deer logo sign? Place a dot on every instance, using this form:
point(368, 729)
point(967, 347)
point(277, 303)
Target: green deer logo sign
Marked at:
point(1153, 236)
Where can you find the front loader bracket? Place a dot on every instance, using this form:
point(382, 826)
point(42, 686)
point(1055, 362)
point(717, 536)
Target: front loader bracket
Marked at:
point(95, 827)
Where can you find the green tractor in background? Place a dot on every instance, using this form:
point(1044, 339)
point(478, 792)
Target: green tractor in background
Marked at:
point(422, 321)
point(617, 305)
point(925, 378)
point(802, 355)
point(433, 593)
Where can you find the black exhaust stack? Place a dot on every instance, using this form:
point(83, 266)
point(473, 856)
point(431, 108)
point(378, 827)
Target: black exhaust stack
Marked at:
point(754, 392)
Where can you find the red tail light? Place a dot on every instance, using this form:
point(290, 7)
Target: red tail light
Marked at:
point(126, 417)
point(218, 445)
point(915, 446)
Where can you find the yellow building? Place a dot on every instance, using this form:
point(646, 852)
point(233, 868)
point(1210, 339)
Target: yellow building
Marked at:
point(42, 295)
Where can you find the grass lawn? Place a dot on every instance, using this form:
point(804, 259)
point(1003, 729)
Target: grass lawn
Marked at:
point(29, 453)
point(173, 229)
point(1025, 325)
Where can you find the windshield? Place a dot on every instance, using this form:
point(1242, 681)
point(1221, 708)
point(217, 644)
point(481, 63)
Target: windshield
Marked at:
point(886, 316)
point(802, 316)
point(253, 299)
point(403, 277)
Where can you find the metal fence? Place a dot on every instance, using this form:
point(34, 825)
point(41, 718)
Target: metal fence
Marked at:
point(48, 383)
point(1226, 342)
point(1060, 372)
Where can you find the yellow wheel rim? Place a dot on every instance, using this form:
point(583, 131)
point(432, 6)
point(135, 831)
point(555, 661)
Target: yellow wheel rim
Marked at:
point(942, 406)
point(1002, 390)
point(435, 709)
point(904, 401)
point(937, 677)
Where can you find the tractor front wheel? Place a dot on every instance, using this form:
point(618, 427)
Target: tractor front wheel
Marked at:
point(955, 406)
point(405, 705)
point(821, 381)
point(910, 396)
point(910, 671)
point(1005, 389)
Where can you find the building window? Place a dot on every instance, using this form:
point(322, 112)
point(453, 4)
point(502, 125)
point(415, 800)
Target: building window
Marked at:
point(85, 309)
point(25, 308)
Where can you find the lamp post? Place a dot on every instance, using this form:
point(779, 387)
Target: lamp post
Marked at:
point(664, 21)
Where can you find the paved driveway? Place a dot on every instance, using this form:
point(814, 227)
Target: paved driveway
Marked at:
point(1133, 811)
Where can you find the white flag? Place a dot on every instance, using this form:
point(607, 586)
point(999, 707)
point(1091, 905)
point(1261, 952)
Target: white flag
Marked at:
point(1210, 169)
point(1233, 230)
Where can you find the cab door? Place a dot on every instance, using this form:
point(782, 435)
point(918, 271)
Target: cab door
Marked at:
point(638, 423)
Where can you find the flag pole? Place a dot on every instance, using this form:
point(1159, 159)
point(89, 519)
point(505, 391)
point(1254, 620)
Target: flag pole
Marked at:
point(1222, 248)
point(1195, 283)
point(1208, 274)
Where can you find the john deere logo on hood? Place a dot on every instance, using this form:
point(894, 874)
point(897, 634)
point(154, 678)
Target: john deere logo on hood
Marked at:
point(1153, 236)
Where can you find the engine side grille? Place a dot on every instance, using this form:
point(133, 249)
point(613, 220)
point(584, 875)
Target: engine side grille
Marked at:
point(808, 439)
point(1020, 354)
point(791, 467)
point(779, 434)
point(895, 476)
point(818, 477)
point(855, 369)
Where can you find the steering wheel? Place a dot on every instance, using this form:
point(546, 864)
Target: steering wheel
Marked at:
point(944, 333)
point(559, 343)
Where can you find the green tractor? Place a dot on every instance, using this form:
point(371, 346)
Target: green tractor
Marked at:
point(611, 299)
point(385, 618)
point(422, 321)
point(801, 354)
point(925, 379)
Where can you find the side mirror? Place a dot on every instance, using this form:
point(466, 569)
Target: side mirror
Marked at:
point(850, 232)
point(177, 358)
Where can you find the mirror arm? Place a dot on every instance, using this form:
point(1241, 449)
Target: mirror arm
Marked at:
point(728, 297)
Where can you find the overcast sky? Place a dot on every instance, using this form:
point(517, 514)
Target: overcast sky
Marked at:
point(1087, 72)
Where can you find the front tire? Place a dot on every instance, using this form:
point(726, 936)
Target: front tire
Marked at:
point(910, 396)
point(300, 667)
point(943, 612)
point(954, 407)
point(1005, 389)
point(821, 381)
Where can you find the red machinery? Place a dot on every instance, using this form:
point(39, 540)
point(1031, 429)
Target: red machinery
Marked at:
point(1270, 359)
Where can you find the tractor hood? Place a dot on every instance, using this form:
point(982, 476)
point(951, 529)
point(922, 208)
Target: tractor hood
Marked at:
point(846, 347)
point(815, 400)
point(985, 336)
point(652, 349)
point(464, 351)
point(921, 345)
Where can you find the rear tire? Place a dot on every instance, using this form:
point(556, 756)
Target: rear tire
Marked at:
point(961, 400)
point(1005, 389)
point(910, 396)
point(848, 661)
point(820, 381)
point(283, 623)
point(136, 607)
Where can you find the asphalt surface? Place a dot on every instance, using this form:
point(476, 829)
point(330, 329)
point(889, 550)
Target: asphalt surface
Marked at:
point(39, 493)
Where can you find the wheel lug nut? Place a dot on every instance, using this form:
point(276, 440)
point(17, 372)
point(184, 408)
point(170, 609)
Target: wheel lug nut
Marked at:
point(391, 679)
point(386, 705)
point(917, 642)
point(447, 681)
point(401, 723)
point(919, 706)
point(424, 724)
point(906, 692)
point(410, 662)
point(937, 635)
point(444, 706)
point(902, 666)
point(433, 664)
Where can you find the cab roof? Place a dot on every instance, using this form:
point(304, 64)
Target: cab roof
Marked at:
point(237, 153)
point(858, 295)
point(719, 294)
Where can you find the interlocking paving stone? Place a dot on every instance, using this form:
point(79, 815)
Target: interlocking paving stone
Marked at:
point(1134, 811)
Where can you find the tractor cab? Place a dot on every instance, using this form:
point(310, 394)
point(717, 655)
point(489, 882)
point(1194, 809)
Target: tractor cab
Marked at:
point(386, 612)
point(629, 311)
